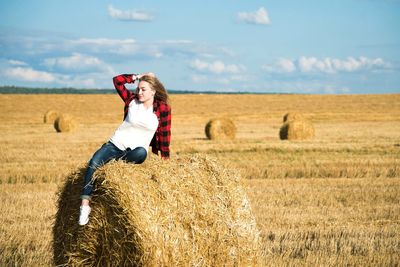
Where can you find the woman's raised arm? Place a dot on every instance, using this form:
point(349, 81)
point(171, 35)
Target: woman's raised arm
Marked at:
point(119, 84)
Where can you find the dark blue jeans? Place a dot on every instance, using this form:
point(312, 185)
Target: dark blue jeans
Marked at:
point(106, 153)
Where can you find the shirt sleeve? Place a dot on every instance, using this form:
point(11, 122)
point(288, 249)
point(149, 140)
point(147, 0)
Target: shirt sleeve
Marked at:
point(165, 130)
point(119, 84)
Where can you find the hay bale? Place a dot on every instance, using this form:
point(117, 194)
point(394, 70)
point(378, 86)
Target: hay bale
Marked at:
point(297, 130)
point(50, 116)
point(291, 116)
point(187, 211)
point(220, 129)
point(65, 123)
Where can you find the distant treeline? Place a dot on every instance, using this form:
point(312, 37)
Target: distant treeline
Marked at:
point(30, 90)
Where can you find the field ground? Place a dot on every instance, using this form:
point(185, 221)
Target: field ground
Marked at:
point(334, 200)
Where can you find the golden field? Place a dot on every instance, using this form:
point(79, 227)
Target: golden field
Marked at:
point(330, 201)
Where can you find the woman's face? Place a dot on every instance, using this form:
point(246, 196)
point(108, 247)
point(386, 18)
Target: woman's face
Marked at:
point(144, 91)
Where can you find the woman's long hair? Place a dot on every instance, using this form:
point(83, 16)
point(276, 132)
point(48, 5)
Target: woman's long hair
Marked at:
point(161, 94)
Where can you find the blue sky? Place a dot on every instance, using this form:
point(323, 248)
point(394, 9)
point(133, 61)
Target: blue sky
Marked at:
point(311, 46)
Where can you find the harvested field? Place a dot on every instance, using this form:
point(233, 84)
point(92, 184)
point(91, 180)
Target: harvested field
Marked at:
point(333, 200)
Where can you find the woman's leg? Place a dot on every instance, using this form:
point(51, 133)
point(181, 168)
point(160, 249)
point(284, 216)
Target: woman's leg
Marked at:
point(106, 153)
point(137, 156)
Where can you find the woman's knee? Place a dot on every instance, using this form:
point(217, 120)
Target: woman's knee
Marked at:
point(96, 161)
point(138, 155)
point(102, 156)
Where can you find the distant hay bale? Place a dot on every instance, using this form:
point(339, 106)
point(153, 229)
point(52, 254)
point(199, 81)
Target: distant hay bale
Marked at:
point(50, 116)
point(297, 130)
point(291, 116)
point(188, 211)
point(65, 123)
point(219, 129)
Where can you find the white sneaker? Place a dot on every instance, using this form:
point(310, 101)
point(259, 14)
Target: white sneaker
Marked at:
point(84, 215)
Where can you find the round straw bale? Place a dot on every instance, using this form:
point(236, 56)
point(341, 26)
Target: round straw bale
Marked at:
point(188, 211)
point(297, 130)
point(291, 116)
point(65, 123)
point(220, 129)
point(50, 116)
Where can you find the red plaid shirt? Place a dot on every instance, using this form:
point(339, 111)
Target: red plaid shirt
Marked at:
point(162, 136)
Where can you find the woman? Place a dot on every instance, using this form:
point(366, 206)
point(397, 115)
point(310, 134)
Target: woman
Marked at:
point(147, 121)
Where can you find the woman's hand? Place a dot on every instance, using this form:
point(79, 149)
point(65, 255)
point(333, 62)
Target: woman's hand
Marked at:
point(135, 77)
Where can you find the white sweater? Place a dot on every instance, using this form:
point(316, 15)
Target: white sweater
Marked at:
point(137, 129)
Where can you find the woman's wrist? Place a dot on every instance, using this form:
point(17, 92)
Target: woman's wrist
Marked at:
point(135, 76)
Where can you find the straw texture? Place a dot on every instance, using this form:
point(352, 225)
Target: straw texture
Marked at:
point(50, 116)
point(188, 211)
point(220, 129)
point(297, 130)
point(65, 123)
point(291, 116)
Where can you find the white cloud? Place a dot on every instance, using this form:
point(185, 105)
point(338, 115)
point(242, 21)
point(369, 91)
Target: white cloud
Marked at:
point(103, 41)
point(199, 78)
point(37, 78)
point(213, 71)
point(286, 65)
point(282, 65)
point(16, 62)
point(77, 62)
point(79, 81)
point(177, 42)
point(326, 65)
point(104, 45)
point(33, 48)
point(225, 79)
point(299, 85)
point(333, 65)
point(238, 78)
point(216, 67)
point(29, 74)
point(130, 15)
point(185, 48)
point(258, 17)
